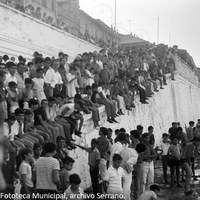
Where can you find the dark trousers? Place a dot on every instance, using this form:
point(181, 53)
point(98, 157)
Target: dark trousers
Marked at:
point(30, 191)
point(175, 165)
point(42, 192)
point(94, 173)
point(164, 165)
point(142, 93)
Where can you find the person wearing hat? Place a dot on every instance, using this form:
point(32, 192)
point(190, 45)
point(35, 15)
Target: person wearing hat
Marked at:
point(3, 104)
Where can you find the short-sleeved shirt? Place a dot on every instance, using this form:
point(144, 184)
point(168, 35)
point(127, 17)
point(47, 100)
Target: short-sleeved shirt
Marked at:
point(114, 178)
point(147, 195)
point(44, 173)
point(39, 111)
point(93, 156)
point(64, 179)
point(25, 168)
point(69, 194)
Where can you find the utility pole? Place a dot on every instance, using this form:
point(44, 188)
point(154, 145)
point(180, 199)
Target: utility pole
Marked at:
point(158, 24)
point(115, 15)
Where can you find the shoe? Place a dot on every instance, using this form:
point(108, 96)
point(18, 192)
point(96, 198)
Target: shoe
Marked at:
point(189, 192)
point(173, 79)
point(179, 185)
point(78, 133)
point(116, 115)
point(128, 108)
point(73, 140)
point(121, 112)
point(161, 88)
point(109, 120)
point(156, 90)
point(195, 178)
point(144, 102)
point(113, 119)
point(165, 83)
point(72, 146)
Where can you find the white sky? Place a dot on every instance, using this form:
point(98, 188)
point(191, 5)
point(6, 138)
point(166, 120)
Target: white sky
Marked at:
point(178, 18)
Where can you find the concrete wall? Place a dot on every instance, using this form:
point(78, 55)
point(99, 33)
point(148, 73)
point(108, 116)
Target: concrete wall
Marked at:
point(177, 102)
point(21, 34)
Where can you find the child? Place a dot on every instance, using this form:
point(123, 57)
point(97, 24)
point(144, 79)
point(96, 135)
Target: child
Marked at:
point(25, 172)
point(114, 176)
point(164, 146)
point(38, 85)
point(93, 161)
point(27, 92)
point(74, 188)
point(89, 75)
point(68, 163)
point(174, 154)
point(13, 96)
point(152, 194)
point(109, 136)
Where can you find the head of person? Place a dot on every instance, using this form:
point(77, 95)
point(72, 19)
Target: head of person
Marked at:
point(176, 140)
point(47, 62)
point(94, 143)
point(21, 68)
point(68, 163)
point(150, 129)
point(39, 62)
point(75, 181)
point(30, 65)
point(140, 148)
point(44, 103)
point(55, 64)
point(95, 86)
point(11, 119)
point(73, 70)
point(28, 115)
point(37, 149)
point(117, 160)
point(60, 55)
point(155, 188)
point(12, 86)
point(26, 154)
point(174, 125)
point(196, 141)
point(33, 104)
point(40, 72)
point(117, 131)
point(191, 123)
point(146, 137)
point(59, 99)
point(179, 130)
point(122, 130)
point(87, 66)
point(140, 129)
point(88, 89)
point(103, 132)
point(60, 141)
point(12, 68)
point(51, 101)
point(28, 83)
point(49, 148)
point(110, 131)
point(198, 121)
point(165, 137)
point(122, 138)
point(135, 134)
point(19, 114)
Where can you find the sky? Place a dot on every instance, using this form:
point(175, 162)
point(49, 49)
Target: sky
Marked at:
point(178, 20)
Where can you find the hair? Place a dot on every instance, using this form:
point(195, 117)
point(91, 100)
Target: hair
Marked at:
point(94, 141)
point(11, 117)
point(37, 145)
point(19, 111)
point(9, 64)
point(12, 84)
point(191, 123)
point(140, 148)
point(176, 137)
point(67, 160)
point(116, 157)
point(47, 59)
point(32, 102)
point(25, 152)
point(122, 137)
point(197, 139)
point(28, 112)
point(174, 123)
point(139, 127)
point(60, 54)
point(38, 60)
point(59, 138)
point(135, 133)
point(49, 147)
point(179, 129)
point(88, 87)
point(145, 135)
point(75, 179)
point(59, 96)
point(150, 128)
point(28, 81)
point(94, 85)
point(164, 135)
point(123, 130)
point(50, 99)
point(110, 130)
point(29, 64)
point(104, 130)
point(20, 63)
point(154, 187)
point(117, 131)
point(43, 100)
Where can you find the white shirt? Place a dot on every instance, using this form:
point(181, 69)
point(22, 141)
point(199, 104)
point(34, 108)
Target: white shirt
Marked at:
point(58, 78)
point(148, 195)
point(164, 146)
point(69, 194)
point(25, 168)
point(9, 78)
point(114, 178)
point(21, 81)
point(69, 112)
point(116, 148)
point(15, 130)
point(49, 77)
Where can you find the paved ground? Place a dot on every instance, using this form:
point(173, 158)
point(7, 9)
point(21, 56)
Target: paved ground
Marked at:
point(175, 193)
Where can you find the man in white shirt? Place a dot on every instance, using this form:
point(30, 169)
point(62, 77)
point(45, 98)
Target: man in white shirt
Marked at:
point(49, 78)
point(10, 76)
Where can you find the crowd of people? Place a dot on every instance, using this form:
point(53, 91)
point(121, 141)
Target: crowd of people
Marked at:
point(42, 106)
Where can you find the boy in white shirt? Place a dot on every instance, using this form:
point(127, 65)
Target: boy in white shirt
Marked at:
point(114, 176)
point(150, 195)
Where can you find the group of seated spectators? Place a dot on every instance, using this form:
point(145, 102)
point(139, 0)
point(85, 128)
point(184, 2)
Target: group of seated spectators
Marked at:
point(57, 23)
